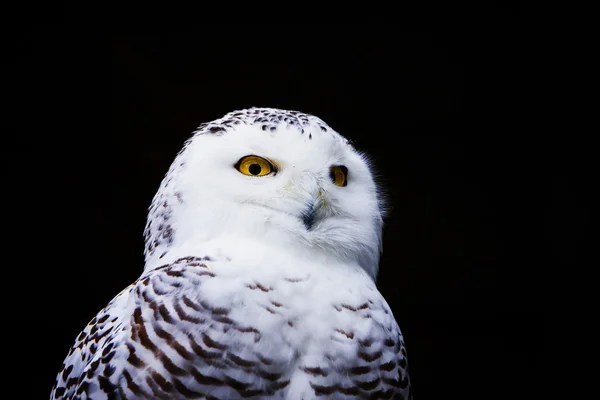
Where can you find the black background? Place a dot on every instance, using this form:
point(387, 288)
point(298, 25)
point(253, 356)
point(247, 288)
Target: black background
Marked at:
point(482, 207)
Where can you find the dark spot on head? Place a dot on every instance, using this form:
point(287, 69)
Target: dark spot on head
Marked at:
point(310, 135)
point(214, 129)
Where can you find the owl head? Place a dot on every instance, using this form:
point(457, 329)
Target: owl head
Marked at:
point(264, 175)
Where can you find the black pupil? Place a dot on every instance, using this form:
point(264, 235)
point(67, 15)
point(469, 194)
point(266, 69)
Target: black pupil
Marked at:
point(254, 169)
point(332, 174)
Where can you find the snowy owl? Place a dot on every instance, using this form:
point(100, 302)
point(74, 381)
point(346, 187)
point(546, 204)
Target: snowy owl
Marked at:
point(262, 247)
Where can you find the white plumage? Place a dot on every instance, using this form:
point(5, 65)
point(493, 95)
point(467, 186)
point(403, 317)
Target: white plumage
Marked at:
point(262, 248)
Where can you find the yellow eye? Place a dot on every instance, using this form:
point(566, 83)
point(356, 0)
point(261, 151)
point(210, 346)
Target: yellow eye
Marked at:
point(254, 166)
point(339, 175)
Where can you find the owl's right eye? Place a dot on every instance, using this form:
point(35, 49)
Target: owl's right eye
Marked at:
point(254, 166)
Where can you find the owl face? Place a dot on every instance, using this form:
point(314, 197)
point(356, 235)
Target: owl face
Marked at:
point(302, 182)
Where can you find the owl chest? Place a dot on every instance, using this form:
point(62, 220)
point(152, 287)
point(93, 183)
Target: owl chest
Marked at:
point(294, 311)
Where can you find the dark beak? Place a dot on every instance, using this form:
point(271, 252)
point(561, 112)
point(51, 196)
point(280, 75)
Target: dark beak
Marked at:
point(308, 215)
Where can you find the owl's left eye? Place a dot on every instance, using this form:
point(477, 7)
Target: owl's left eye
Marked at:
point(339, 175)
point(254, 166)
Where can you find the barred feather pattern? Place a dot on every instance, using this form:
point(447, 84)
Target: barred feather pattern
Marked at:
point(160, 338)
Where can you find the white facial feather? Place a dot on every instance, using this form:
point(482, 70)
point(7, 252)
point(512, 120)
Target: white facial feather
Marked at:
point(203, 196)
